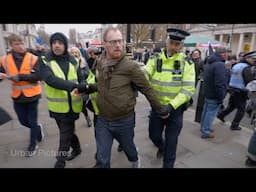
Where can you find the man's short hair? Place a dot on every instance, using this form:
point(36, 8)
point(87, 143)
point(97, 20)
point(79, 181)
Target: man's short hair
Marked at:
point(14, 37)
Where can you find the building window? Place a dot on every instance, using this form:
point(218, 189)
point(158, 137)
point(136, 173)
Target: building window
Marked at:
point(4, 27)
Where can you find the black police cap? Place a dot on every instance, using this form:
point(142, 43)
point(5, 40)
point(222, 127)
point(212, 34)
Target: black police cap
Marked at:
point(177, 34)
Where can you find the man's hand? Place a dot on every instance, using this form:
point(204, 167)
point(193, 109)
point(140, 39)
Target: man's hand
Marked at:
point(3, 76)
point(75, 92)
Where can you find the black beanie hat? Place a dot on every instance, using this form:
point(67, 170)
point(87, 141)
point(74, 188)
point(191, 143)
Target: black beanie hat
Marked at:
point(61, 37)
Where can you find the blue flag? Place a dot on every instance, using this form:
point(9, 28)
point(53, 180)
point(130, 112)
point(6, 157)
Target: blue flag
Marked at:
point(39, 41)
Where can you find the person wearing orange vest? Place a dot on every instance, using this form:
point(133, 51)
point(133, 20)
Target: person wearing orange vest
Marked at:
point(22, 69)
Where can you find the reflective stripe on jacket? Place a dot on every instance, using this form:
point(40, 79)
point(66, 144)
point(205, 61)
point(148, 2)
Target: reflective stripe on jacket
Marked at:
point(172, 86)
point(26, 87)
point(91, 80)
point(58, 99)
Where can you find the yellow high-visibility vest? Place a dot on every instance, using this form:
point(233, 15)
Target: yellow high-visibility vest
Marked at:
point(91, 80)
point(172, 86)
point(58, 99)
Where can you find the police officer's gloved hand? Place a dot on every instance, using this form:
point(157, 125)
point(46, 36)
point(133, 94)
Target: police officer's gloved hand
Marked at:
point(15, 78)
point(82, 87)
point(85, 88)
point(166, 109)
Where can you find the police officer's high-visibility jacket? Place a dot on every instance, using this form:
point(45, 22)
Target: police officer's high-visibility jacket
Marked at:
point(173, 86)
point(58, 99)
point(91, 80)
point(28, 88)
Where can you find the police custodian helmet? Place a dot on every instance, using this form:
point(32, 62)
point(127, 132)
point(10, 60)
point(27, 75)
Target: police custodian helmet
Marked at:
point(177, 34)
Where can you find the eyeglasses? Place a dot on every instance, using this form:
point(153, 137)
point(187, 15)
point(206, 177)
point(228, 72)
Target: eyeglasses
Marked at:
point(114, 42)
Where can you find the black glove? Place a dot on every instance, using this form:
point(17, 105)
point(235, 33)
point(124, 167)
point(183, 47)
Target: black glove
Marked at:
point(166, 109)
point(15, 78)
point(83, 87)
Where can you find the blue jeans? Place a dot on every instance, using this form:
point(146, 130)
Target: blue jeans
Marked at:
point(27, 115)
point(172, 125)
point(123, 131)
point(210, 110)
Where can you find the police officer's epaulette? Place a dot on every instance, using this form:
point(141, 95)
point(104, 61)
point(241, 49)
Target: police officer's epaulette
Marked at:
point(188, 59)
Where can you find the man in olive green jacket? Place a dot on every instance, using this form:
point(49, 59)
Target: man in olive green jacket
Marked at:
point(117, 77)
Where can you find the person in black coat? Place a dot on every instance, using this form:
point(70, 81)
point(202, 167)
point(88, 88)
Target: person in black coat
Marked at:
point(214, 89)
point(65, 121)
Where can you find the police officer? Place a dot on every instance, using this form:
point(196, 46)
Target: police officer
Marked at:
point(240, 76)
point(172, 76)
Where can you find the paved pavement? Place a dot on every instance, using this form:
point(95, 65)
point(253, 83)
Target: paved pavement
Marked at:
point(226, 150)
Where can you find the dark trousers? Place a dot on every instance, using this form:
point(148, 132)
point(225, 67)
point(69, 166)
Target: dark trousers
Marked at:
point(68, 138)
point(27, 115)
point(172, 125)
point(252, 147)
point(237, 101)
point(84, 110)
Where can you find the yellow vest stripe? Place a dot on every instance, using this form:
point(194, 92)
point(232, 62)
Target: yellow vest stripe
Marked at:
point(58, 99)
point(167, 94)
point(160, 83)
point(186, 92)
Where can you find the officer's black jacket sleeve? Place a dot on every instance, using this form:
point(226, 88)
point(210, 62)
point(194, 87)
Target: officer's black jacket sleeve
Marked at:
point(34, 76)
point(58, 83)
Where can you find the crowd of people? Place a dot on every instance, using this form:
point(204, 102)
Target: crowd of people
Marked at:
point(107, 83)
